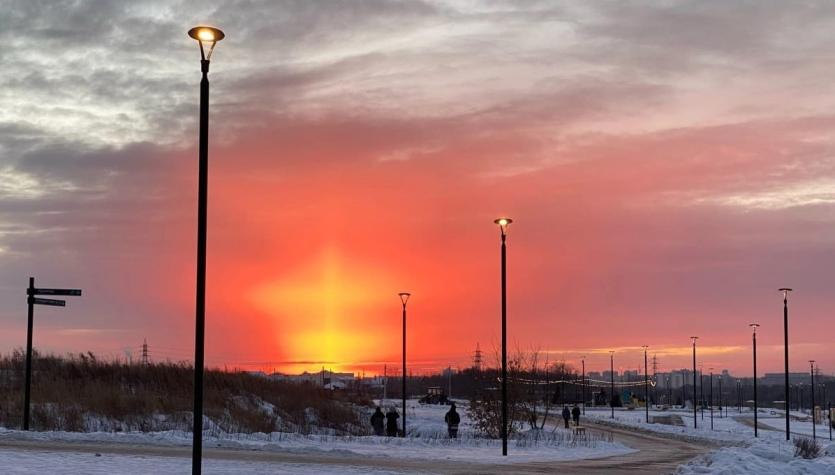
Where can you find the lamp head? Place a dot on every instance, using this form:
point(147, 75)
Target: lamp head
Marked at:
point(207, 37)
point(694, 338)
point(754, 326)
point(503, 224)
point(404, 297)
point(785, 291)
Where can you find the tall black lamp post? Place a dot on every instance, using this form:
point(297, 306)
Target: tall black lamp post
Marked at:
point(786, 291)
point(754, 327)
point(404, 297)
point(710, 396)
point(646, 383)
point(207, 37)
point(584, 384)
point(814, 422)
point(503, 225)
point(612, 378)
point(695, 395)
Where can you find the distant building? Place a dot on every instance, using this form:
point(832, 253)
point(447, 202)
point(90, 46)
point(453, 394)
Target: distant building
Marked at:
point(779, 379)
point(325, 378)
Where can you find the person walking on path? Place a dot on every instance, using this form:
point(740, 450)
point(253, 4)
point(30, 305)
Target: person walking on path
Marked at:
point(452, 420)
point(575, 413)
point(378, 422)
point(391, 422)
point(566, 415)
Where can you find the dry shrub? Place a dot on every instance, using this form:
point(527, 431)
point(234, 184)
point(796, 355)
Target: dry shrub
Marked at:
point(806, 448)
point(80, 392)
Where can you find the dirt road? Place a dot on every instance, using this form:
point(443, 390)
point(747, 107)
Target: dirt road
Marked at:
point(656, 455)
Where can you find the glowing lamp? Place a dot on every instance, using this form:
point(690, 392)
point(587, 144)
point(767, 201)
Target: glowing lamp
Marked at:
point(503, 223)
point(207, 37)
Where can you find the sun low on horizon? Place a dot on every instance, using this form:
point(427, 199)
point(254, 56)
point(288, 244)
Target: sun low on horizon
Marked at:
point(327, 313)
point(664, 180)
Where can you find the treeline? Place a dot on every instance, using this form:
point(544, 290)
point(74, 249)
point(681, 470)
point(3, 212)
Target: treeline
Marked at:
point(79, 392)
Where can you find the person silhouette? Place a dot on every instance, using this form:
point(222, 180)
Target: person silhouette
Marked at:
point(391, 422)
point(452, 420)
point(377, 422)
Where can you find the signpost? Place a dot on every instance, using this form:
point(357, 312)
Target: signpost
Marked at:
point(31, 300)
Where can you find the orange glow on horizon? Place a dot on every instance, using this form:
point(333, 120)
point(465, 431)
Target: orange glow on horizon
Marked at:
point(326, 312)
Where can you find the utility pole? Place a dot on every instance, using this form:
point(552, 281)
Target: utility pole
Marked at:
point(450, 381)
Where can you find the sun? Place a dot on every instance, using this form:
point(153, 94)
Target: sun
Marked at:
point(326, 312)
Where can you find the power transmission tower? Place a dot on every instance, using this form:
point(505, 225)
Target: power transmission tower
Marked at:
point(145, 361)
point(477, 358)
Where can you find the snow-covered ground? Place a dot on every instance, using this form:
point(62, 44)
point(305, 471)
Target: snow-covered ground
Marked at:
point(60, 462)
point(428, 441)
point(740, 452)
point(762, 457)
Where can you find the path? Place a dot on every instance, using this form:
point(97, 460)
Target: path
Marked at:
point(657, 455)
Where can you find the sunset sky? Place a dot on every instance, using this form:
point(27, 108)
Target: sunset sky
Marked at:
point(667, 167)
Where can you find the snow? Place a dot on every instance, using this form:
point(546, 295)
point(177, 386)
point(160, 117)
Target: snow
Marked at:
point(39, 462)
point(740, 452)
point(761, 457)
point(428, 441)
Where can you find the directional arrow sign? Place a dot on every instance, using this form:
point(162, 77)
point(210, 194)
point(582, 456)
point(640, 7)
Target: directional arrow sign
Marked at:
point(72, 292)
point(52, 302)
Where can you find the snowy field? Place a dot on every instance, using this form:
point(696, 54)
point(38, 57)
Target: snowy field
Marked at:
point(37, 462)
point(428, 441)
point(739, 452)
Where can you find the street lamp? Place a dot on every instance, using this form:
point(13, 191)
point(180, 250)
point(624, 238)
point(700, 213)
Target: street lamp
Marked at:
point(612, 377)
point(702, 389)
point(754, 327)
point(404, 297)
point(812, 372)
point(207, 37)
point(584, 384)
point(711, 398)
point(503, 225)
point(694, 338)
point(786, 291)
point(646, 383)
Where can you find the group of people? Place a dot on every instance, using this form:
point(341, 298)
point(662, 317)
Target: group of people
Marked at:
point(574, 413)
point(386, 424)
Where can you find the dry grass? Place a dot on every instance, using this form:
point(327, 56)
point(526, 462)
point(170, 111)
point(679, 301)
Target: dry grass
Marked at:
point(81, 393)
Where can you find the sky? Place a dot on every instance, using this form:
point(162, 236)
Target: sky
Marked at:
point(668, 166)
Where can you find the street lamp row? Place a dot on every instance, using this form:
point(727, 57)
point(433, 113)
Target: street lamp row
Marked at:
point(207, 38)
